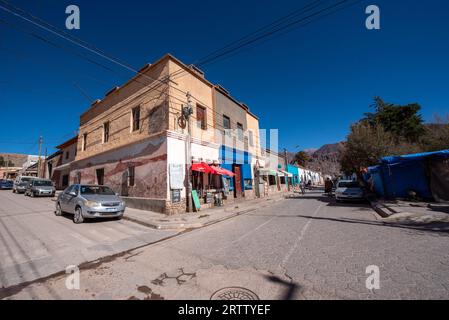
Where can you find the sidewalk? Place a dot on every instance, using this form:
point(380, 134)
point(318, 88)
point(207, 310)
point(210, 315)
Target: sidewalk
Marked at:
point(199, 219)
point(417, 213)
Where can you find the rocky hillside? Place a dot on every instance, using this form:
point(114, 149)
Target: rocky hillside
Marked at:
point(17, 159)
point(327, 159)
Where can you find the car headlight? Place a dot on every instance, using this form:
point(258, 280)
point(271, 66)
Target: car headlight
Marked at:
point(92, 204)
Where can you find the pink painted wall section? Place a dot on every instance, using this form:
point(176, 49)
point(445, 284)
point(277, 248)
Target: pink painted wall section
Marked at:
point(149, 159)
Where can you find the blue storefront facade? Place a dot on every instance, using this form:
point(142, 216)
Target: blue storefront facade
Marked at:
point(295, 172)
point(239, 162)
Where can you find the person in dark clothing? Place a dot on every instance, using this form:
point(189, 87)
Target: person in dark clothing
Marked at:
point(328, 185)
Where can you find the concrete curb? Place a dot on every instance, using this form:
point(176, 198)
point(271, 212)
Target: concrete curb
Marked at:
point(381, 209)
point(196, 225)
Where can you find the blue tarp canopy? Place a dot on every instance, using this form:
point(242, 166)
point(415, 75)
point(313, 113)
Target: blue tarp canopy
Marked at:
point(415, 157)
point(396, 176)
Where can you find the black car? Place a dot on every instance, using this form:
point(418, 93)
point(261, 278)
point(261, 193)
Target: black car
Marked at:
point(6, 184)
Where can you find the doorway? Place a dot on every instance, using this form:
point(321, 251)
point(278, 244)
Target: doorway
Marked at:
point(238, 182)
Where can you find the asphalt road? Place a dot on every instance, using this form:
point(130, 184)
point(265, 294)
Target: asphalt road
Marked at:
point(304, 248)
point(34, 243)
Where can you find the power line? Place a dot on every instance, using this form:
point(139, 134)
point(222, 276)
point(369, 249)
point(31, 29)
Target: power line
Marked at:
point(231, 50)
point(76, 54)
point(60, 33)
point(269, 30)
point(277, 22)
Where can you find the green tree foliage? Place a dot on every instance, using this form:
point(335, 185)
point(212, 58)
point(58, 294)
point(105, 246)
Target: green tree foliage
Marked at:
point(301, 158)
point(390, 130)
point(403, 122)
point(365, 145)
point(5, 163)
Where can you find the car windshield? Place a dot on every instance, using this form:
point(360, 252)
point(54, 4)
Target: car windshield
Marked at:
point(348, 184)
point(24, 180)
point(101, 190)
point(42, 183)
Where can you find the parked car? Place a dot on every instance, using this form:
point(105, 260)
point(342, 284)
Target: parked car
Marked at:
point(40, 187)
point(90, 201)
point(20, 184)
point(6, 184)
point(349, 190)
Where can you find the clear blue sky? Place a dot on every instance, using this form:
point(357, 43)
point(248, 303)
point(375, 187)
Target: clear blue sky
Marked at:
point(311, 83)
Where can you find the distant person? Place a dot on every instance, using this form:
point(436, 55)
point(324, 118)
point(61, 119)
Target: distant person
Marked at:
point(302, 186)
point(328, 185)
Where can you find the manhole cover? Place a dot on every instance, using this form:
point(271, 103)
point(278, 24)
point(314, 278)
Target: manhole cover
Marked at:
point(234, 293)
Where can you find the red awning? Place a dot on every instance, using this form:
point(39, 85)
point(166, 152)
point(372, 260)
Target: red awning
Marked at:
point(201, 167)
point(222, 171)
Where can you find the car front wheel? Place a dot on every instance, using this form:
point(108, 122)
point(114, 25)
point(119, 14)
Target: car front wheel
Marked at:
point(78, 216)
point(58, 211)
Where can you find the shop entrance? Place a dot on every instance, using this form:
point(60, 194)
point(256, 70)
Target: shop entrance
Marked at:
point(238, 182)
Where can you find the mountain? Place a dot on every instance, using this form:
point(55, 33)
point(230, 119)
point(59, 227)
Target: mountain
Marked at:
point(325, 159)
point(17, 159)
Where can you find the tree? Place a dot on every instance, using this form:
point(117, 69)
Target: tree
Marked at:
point(403, 121)
point(5, 163)
point(301, 158)
point(365, 146)
point(436, 136)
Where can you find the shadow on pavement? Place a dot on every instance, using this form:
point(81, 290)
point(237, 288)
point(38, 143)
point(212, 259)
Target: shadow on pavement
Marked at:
point(290, 290)
point(69, 216)
point(331, 202)
point(443, 209)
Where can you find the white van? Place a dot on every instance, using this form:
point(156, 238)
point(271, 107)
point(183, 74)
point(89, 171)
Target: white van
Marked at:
point(20, 184)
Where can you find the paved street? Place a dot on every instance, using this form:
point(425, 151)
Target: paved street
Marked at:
point(34, 243)
point(303, 248)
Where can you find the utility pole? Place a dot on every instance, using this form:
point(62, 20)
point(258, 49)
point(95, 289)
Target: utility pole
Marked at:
point(286, 167)
point(187, 111)
point(45, 165)
point(39, 157)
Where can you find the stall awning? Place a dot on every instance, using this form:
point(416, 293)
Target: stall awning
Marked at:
point(62, 167)
point(268, 172)
point(285, 173)
point(201, 167)
point(204, 167)
point(223, 171)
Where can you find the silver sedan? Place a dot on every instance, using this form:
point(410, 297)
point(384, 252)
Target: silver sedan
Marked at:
point(90, 201)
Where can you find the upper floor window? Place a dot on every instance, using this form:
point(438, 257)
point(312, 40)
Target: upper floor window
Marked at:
point(201, 117)
point(227, 124)
point(67, 154)
point(84, 144)
point(135, 118)
point(106, 132)
point(251, 138)
point(240, 131)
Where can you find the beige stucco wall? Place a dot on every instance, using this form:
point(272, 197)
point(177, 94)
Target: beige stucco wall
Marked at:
point(72, 150)
point(253, 125)
point(117, 108)
point(201, 91)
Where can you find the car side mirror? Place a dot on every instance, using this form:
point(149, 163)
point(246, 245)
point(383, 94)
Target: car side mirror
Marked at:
point(72, 193)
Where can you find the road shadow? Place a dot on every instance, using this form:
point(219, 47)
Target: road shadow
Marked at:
point(331, 202)
point(438, 208)
point(290, 287)
point(88, 221)
point(439, 228)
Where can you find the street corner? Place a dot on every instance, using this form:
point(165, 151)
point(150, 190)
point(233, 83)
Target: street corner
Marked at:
point(222, 283)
